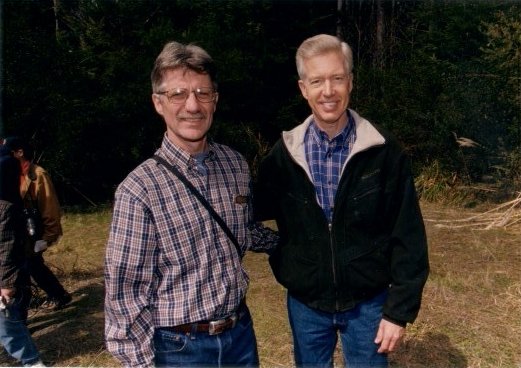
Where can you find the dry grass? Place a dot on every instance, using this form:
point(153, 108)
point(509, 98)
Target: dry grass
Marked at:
point(470, 316)
point(505, 215)
point(472, 301)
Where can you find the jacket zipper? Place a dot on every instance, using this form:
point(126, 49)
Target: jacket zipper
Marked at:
point(333, 261)
point(330, 224)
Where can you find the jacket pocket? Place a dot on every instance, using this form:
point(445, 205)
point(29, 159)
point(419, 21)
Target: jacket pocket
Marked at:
point(367, 267)
point(292, 205)
point(298, 274)
point(365, 205)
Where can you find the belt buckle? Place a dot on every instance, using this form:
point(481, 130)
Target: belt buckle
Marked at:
point(214, 327)
point(218, 326)
point(234, 319)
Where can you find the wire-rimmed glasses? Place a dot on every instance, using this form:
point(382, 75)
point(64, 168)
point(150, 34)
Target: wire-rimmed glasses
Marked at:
point(180, 95)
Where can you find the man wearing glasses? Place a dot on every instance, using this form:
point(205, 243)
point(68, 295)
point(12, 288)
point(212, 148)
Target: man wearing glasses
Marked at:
point(175, 286)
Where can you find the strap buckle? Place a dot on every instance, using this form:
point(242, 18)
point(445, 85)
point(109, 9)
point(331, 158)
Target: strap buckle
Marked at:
point(221, 325)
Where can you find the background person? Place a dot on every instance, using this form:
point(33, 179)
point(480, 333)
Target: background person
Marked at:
point(14, 281)
point(175, 285)
point(353, 252)
point(37, 191)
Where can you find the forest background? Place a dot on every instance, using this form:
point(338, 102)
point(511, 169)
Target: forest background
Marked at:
point(444, 76)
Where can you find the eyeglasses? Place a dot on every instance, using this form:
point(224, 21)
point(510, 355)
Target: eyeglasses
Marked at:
point(180, 95)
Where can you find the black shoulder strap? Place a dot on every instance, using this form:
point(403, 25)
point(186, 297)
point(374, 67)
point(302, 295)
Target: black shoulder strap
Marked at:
point(32, 201)
point(201, 199)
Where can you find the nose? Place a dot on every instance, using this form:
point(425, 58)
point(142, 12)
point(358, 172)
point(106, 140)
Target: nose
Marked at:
point(328, 88)
point(191, 103)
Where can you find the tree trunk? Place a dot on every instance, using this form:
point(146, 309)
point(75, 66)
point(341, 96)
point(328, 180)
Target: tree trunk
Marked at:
point(379, 52)
point(339, 8)
point(56, 6)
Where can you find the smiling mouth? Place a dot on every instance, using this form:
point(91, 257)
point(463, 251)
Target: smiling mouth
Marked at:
point(191, 118)
point(329, 105)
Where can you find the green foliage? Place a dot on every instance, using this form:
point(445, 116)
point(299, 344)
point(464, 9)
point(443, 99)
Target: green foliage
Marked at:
point(504, 45)
point(441, 87)
point(435, 185)
point(502, 54)
point(77, 82)
point(243, 138)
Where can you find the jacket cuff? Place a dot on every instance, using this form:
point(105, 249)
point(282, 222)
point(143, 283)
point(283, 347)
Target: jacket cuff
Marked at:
point(395, 321)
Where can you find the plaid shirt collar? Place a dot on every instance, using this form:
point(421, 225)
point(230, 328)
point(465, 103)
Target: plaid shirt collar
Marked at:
point(177, 156)
point(322, 140)
point(326, 158)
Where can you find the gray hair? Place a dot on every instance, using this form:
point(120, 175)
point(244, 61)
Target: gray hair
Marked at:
point(177, 55)
point(319, 45)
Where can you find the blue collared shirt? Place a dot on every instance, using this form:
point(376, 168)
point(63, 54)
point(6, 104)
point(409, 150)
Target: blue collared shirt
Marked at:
point(325, 158)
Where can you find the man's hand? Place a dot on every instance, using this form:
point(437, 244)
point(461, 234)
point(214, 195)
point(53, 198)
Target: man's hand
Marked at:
point(389, 336)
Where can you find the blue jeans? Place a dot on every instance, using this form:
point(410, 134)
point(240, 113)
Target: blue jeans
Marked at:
point(233, 347)
point(315, 334)
point(14, 334)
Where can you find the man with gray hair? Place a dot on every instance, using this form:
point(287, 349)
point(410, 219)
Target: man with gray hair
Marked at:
point(353, 250)
point(175, 285)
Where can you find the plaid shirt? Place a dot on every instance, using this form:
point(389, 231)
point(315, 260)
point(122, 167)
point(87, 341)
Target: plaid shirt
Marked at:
point(167, 261)
point(10, 257)
point(325, 158)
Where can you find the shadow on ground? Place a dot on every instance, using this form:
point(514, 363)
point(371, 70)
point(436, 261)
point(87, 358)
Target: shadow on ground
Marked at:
point(433, 350)
point(73, 331)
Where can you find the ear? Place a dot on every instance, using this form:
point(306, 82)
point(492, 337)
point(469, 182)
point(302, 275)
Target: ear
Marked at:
point(157, 104)
point(350, 83)
point(215, 102)
point(303, 88)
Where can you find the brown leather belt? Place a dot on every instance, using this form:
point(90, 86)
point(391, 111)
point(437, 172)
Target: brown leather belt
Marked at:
point(212, 327)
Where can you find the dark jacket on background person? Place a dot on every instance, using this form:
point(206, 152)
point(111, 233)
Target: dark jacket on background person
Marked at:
point(376, 240)
point(11, 250)
point(10, 174)
point(11, 225)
